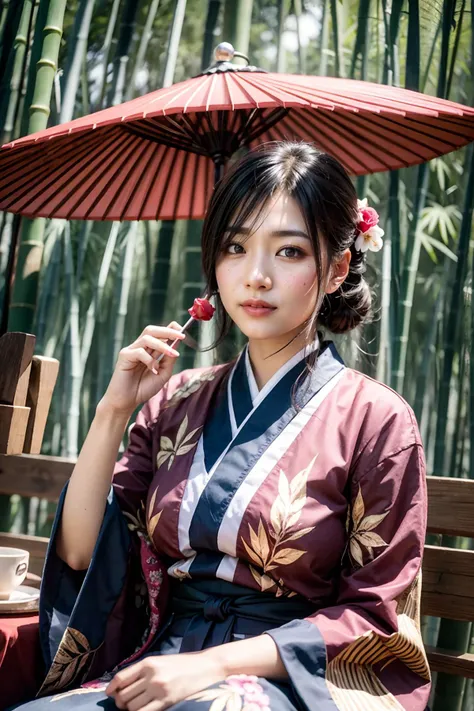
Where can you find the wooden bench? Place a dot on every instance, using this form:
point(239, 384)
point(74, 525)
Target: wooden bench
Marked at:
point(448, 574)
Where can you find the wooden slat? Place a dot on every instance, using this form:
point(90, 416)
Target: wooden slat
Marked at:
point(36, 546)
point(448, 583)
point(34, 475)
point(44, 373)
point(451, 506)
point(444, 660)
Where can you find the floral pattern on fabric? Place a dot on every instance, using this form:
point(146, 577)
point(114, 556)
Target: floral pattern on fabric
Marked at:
point(169, 451)
point(239, 692)
point(284, 515)
point(361, 535)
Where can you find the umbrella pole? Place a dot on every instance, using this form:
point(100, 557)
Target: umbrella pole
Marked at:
point(219, 163)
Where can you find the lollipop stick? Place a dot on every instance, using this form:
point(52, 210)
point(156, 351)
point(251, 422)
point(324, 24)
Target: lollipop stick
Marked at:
point(177, 340)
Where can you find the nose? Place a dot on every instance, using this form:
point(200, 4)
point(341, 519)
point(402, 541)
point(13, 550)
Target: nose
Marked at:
point(258, 276)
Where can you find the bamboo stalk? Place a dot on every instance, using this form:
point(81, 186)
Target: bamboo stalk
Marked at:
point(30, 250)
point(161, 271)
point(454, 53)
point(173, 45)
point(77, 52)
point(146, 35)
point(106, 50)
point(96, 300)
point(19, 65)
point(213, 10)
point(301, 52)
point(237, 24)
point(360, 44)
point(283, 7)
point(323, 40)
point(337, 40)
point(122, 54)
point(454, 310)
point(449, 7)
point(124, 282)
point(74, 381)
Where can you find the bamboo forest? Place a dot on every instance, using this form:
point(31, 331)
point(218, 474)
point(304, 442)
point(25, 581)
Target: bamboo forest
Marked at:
point(87, 288)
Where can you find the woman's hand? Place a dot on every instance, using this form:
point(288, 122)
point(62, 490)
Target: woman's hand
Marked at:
point(158, 682)
point(137, 375)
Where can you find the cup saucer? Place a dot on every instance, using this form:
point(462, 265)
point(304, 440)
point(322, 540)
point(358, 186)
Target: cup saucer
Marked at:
point(23, 599)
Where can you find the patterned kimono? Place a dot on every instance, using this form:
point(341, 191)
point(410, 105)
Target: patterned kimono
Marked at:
point(298, 511)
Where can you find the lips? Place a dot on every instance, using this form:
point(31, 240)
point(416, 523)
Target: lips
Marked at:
point(258, 304)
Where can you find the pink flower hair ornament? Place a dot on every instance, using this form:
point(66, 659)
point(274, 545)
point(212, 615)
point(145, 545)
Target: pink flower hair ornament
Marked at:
point(369, 234)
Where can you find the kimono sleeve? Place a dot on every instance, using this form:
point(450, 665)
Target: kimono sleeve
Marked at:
point(91, 620)
point(367, 646)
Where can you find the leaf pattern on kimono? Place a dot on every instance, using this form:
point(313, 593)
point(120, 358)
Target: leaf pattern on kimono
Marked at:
point(137, 522)
point(153, 519)
point(264, 547)
point(169, 451)
point(361, 537)
point(71, 661)
point(224, 698)
point(190, 387)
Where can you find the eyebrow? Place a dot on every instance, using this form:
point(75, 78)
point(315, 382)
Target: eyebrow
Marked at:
point(233, 229)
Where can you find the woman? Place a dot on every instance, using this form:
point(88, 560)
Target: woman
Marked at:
point(280, 498)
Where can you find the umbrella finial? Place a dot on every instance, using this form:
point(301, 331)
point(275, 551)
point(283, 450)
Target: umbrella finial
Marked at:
point(224, 52)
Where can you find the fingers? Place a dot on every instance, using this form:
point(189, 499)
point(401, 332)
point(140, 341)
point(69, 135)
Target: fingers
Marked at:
point(134, 355)
point(128, 696)
point(170, 332)
point(155, 344)
point(124, 678)
point(141, 701)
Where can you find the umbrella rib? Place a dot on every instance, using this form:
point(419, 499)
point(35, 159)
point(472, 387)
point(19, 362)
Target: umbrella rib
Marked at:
point(211, 88)
point(146, 148)
point(352, 135)
point(177, 96)
point(115, 146)
point(161, 138)
point(162, 197)
point(249, 79)
point(421, 132)
point(184, 160)
point(198, 88)
point(156, 153)
point(227, 83)
point(52, 149)
point(376, 129)
point(55, 175)
point(125, 152)
point(364, 98)
point(295, 119)
point(274, 116)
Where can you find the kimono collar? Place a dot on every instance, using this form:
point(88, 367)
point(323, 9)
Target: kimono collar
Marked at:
point(258, 395)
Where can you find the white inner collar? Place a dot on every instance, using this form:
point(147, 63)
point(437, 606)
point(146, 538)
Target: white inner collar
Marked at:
point(258, 395)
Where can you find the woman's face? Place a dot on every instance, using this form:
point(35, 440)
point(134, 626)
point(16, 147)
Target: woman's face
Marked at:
point(267, 280)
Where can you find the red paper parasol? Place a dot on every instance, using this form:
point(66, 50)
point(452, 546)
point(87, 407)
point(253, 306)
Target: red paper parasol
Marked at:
point(154, 157)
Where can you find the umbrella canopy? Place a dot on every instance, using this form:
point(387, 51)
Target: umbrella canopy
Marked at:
point(154, 157)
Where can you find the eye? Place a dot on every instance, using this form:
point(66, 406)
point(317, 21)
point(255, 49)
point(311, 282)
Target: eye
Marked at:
point(233, 248)
point(291, 252)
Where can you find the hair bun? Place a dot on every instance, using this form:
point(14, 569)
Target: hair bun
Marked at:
point(351, 304)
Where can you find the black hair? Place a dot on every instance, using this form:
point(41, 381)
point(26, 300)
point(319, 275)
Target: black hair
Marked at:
point(328, 201)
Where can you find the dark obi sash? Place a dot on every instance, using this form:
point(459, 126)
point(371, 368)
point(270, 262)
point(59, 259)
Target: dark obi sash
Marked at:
point(206, 613)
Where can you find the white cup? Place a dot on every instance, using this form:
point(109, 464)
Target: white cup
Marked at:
point(13, 569)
